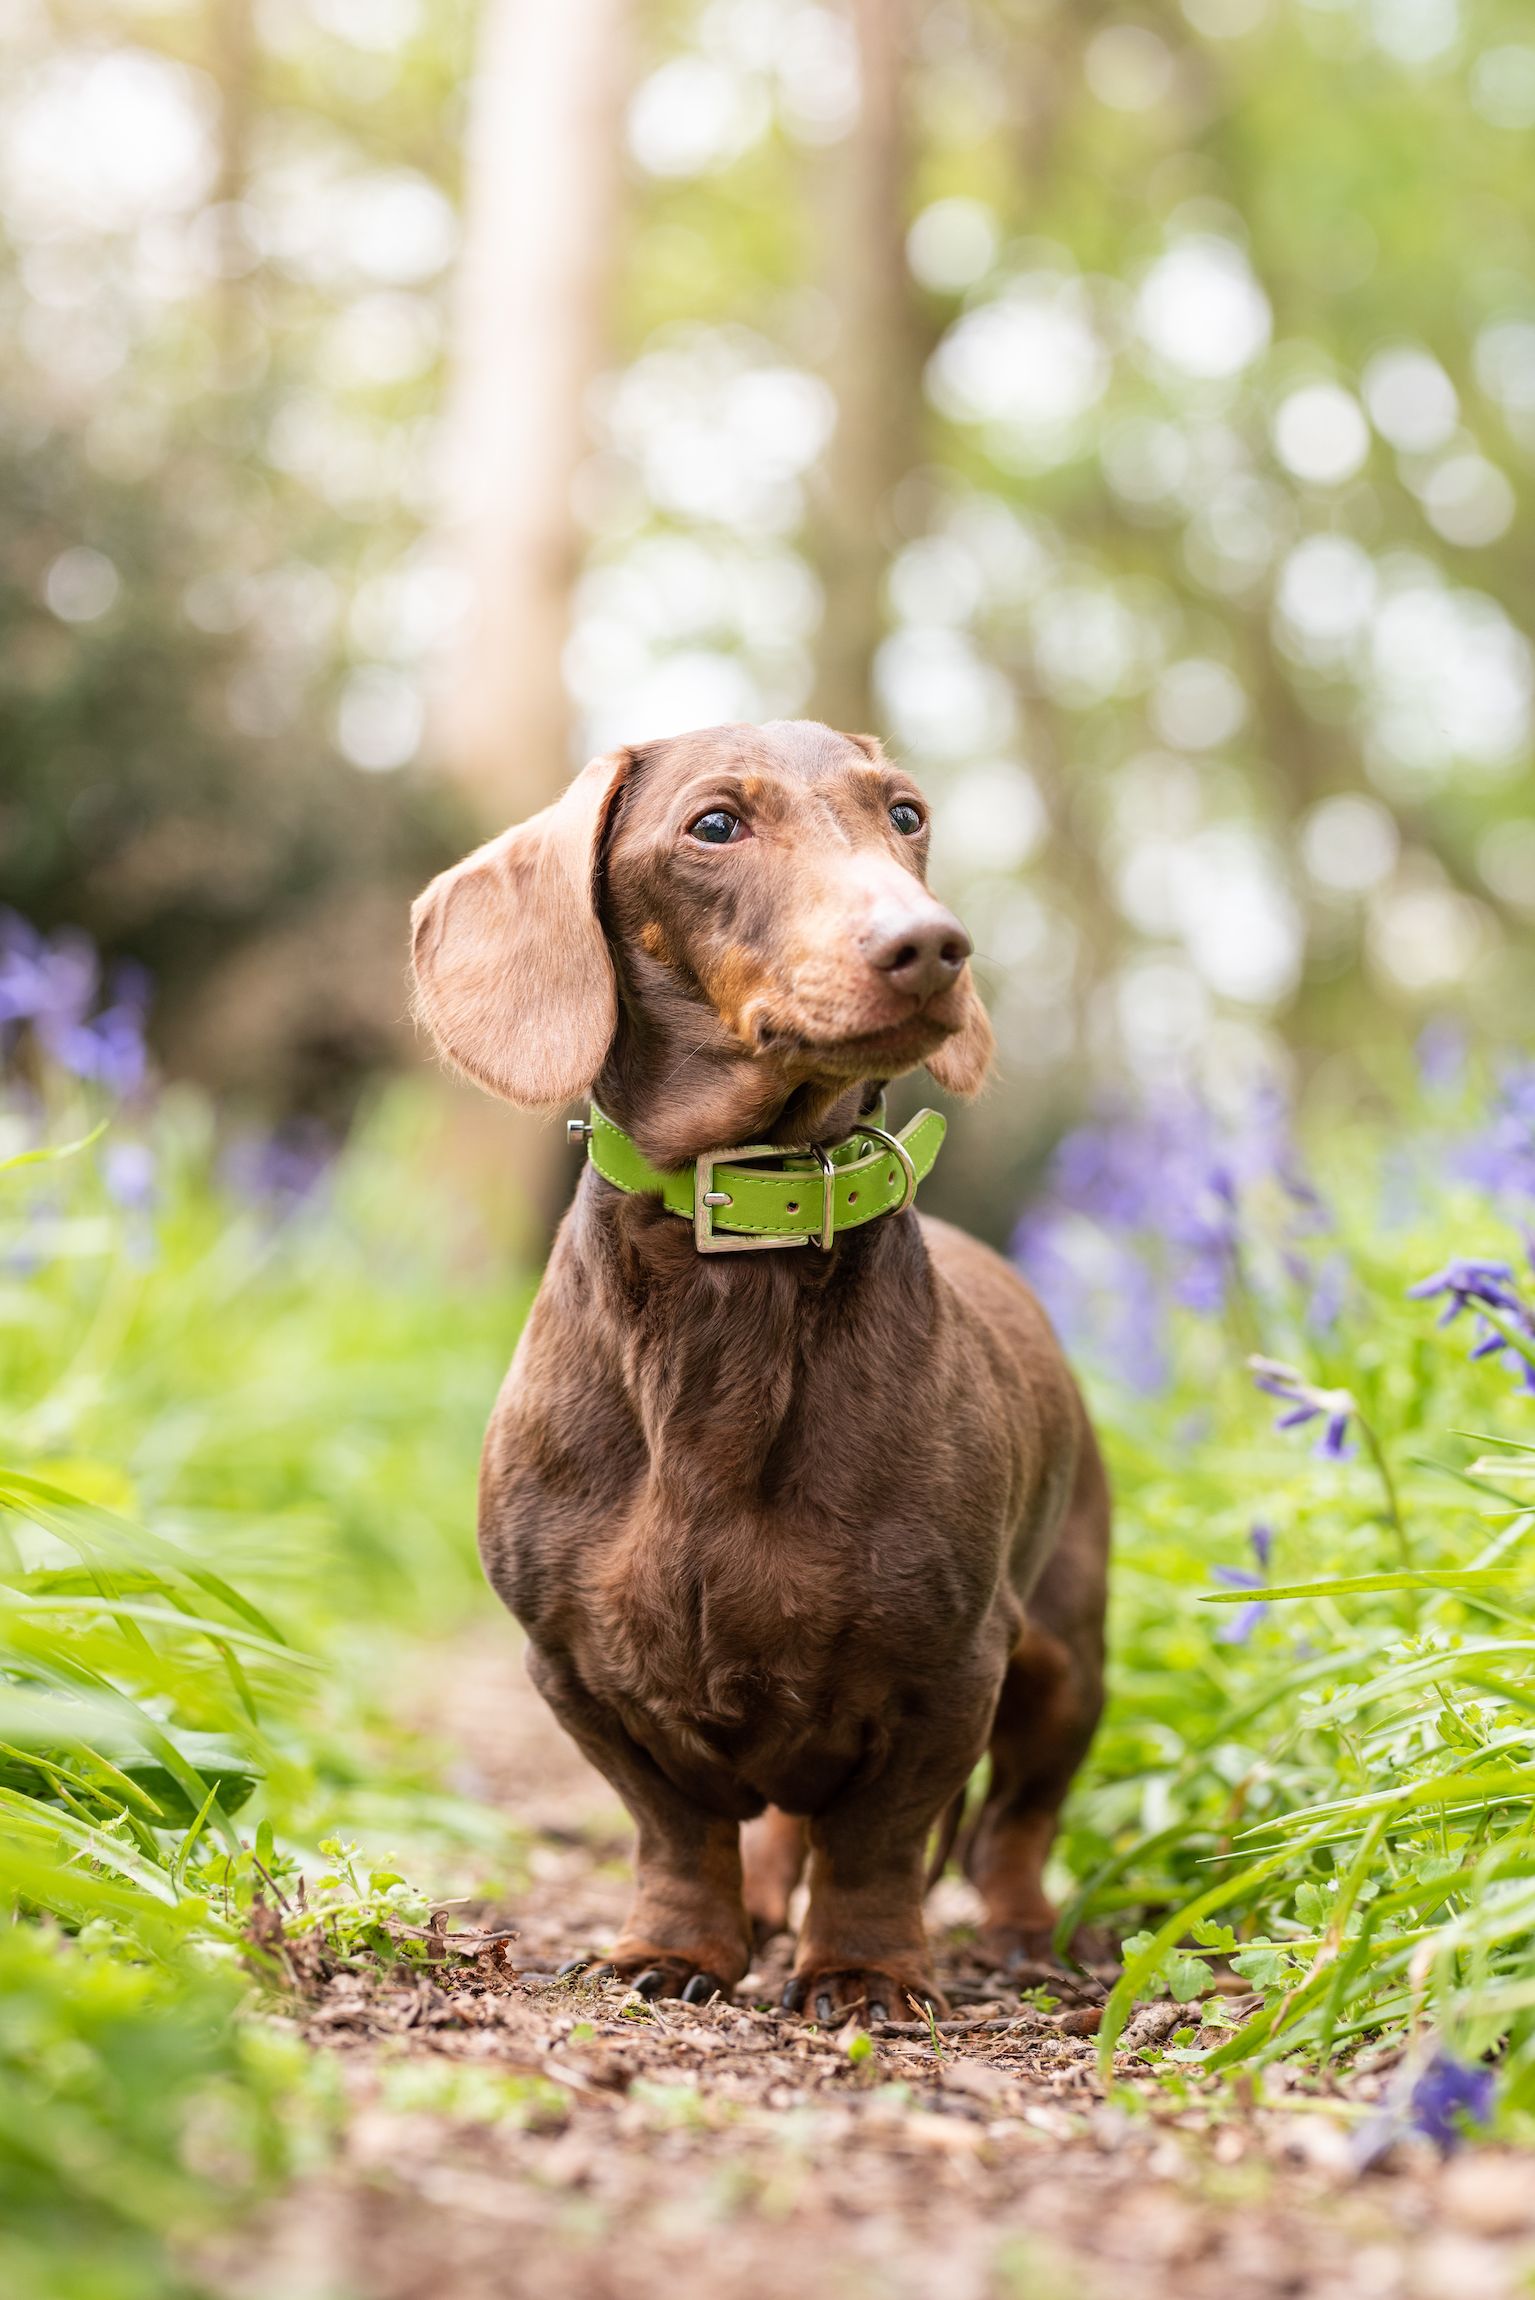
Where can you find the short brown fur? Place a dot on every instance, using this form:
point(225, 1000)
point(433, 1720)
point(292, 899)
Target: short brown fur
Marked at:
point(794, 1537)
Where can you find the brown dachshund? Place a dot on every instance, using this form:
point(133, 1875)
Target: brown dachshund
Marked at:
point(796, 1537)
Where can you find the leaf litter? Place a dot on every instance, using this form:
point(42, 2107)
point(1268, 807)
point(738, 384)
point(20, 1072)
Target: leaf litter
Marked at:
point(508, 2132)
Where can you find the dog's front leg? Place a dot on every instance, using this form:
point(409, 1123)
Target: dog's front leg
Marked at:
point(863, 1947)
point(687, 1932)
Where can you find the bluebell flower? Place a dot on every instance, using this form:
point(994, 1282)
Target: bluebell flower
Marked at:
point(1146, 1208)
point(1244, 1619)
point(1450, 2096)
point(1328, 1294)
point(1502, 1159)
point(1306, 1402)
point(128, 1170)
point(109, 1048)
point(283, 1168)
point(1102, 1295)
point(53, 985)
point(1464, 1282)
point(46, 983)
point(1480, 1286)
point(1441, 1053)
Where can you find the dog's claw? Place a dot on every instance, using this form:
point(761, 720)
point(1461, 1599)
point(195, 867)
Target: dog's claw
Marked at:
point(700, 1988)
point(863, 1993)
point(571, 1967)
point(649, 1983)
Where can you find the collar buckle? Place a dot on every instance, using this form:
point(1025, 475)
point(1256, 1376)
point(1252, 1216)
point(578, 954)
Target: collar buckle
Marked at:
point(705, 1199)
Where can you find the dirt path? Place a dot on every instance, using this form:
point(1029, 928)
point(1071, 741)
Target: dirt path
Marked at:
point(510, 2135)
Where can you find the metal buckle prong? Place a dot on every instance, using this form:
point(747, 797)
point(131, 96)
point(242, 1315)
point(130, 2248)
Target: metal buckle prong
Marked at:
point(706, 1198)
point(828, 1201)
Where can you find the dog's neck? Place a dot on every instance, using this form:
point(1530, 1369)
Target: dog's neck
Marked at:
point(676, 1101)
point(722, 1408)
point(720, 1356)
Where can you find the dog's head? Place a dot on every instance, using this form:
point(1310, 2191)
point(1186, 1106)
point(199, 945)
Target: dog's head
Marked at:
point(734, 921)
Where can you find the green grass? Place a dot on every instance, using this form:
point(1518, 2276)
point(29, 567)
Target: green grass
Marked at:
point(1342, 1804)
point(236, 1485)
point(236, 1481)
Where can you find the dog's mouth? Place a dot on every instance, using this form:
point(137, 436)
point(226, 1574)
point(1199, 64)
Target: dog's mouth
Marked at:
point(882, 1051)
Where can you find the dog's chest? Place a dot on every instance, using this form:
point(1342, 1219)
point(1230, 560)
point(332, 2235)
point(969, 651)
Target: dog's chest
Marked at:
point(748, 1618)
point(728, 1666)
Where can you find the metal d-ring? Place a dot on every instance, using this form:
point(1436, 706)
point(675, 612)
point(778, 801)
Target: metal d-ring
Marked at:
point(898, 1149)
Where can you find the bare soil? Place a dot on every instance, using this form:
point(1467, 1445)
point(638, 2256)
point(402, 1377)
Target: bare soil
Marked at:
point(508, 2133)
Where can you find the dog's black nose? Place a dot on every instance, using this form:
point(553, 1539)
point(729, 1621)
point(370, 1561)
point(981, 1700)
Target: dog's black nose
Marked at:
point(919, 953)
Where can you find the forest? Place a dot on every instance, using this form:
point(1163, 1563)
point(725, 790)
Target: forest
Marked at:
point(1128, 413)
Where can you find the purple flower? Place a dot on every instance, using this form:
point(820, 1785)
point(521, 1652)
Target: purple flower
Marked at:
point(1465, 1282)
point(1101, 1294)
point(1449, 2096)
point(49, 984)
point(1244, 1619)
point(1145, 1209)
point(1503, 1158)
point(109, 1048)
point(1481, 1286)
point(1441, 1052)
point(1325, 1286)
point(281, 1169)
point(128, 1170)
point(1305, 1402)
point(53, 985)
point(1328, 1295)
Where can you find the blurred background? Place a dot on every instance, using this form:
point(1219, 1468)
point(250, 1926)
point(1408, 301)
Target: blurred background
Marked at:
point(1126, 410)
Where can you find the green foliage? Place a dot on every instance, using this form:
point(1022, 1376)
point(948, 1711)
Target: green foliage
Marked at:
point(237, 1462)
point(1331, 1790)
point(134, 2105)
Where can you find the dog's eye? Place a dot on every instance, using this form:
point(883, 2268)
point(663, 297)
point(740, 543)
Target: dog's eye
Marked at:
point(906, 818)
point(716, 828)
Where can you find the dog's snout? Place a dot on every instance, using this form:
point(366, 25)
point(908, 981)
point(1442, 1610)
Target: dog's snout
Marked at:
point(919, 952)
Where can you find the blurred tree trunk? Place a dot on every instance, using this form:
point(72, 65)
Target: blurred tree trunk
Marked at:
point(232, 43)
point(876, 367)
point(541, 212)
point(542, 190)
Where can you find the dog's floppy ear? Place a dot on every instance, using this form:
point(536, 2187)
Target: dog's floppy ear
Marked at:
point(960, 1064)
point(513, 976)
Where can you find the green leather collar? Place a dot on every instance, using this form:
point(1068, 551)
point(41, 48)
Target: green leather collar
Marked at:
point(736, 1203)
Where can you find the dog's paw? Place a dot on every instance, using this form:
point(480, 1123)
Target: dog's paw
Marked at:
point(1028, 1953)
point(1020, 1951)
point(650, 1973)
point(832, 1994)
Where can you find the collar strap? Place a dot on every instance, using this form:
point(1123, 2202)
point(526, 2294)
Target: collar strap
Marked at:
point(737, 1203)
